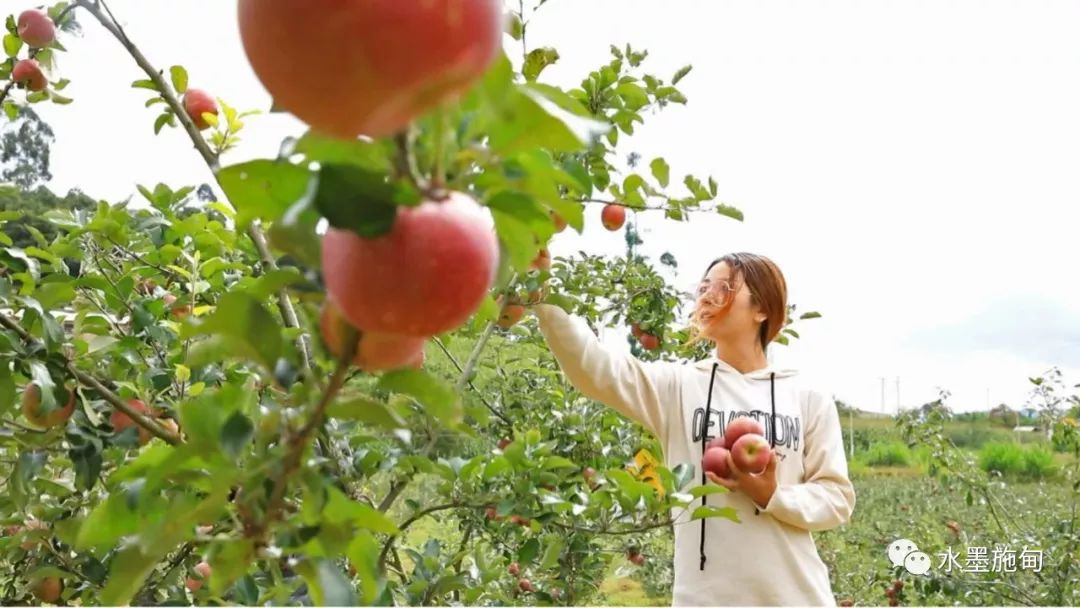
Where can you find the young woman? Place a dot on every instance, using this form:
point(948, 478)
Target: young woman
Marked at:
point(769, 558)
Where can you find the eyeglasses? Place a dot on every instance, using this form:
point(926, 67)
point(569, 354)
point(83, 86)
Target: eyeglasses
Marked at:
point(719, 290)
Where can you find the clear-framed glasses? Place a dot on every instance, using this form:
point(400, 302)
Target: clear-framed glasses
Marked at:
point(718, 290)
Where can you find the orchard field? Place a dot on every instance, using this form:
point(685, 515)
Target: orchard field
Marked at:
point(314, 379)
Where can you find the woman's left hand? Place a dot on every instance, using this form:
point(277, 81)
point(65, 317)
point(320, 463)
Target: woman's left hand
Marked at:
point(760, 488)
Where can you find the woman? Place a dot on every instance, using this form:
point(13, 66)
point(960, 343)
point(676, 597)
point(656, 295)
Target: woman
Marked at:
point(769, 558)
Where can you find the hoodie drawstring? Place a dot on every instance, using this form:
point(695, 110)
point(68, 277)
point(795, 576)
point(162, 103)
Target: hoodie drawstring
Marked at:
point(705, 446)
point(704, 443)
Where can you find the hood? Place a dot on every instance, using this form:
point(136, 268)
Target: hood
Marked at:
point(758, 374)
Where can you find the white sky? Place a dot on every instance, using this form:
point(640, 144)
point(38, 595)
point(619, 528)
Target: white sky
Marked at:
point(910, 165)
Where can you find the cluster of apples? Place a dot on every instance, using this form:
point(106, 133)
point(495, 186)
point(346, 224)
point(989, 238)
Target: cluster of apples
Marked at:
point(744, 440)
point(37, 30)
point(32, 410)
point(383, 64)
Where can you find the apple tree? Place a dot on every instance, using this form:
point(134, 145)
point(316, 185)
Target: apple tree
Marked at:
point(315, 380)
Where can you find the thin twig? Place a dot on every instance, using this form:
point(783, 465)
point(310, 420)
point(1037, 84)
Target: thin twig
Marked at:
point(490, 407)
point(415, 518)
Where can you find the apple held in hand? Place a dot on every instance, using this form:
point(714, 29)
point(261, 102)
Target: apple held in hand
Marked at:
point(715, 461)
point(739, 427)
point(751, 453)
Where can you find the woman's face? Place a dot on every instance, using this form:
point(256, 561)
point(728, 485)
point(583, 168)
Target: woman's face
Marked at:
point(727, 316)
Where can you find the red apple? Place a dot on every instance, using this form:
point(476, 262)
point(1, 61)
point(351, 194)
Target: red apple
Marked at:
point(751, 453)
point(351, 68)
point(718, 442)
point(559, 221)
point(202, 572)
point(649, 342)
point(715, 461)
point(635, 330)
point(613, 216)
point(48, 589)
point(520, 520)
point(542, 260)
point(526, 586)
point(491, 513)
point(511, 315)
point(427, 276)
point(504, 442)
point(29, 71)
point(739, 427)
point(637, 559)
point(121, 421)
point(31, 524)
point(514, 569)
point(374, 352)
point(32, 409)
point(168, 300)
point(36, 29)
point(198, 102)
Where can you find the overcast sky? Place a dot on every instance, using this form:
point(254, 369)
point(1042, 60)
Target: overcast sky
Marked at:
point(911, 166)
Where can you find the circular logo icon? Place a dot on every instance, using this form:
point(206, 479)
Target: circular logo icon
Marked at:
point(899, 550)
point(917, 563)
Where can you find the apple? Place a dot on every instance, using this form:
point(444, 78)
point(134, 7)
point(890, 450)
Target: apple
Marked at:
point(202, 572)
point(558, 220)
point(514, 569)
point(613, 216)
point(739, 427)
point(649, 342)
point(48, 589)
point(504, 442)
point(526, 586)
point(375, 352)
point(715, 461)
point(29, 71)
point(168, 299)
point(350, 68)
point(637, 559)
point(492, 514)
point(425, 277)
point(588, 474)
point(31, 524)
point(180, 312)
point(511, 314)
point(846, 603)
point(718, 442)
point(898, 584)
point(36, 29)
point(751, 453)
point(520, 520)
point(121, 421)
point(198, 102)
point(31, 409)
point(542, 261)
point(635, 330)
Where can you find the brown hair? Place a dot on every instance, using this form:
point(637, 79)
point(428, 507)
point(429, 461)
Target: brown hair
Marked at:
point(768, 290)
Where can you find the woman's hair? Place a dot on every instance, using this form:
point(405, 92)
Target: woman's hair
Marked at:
point(768, 290)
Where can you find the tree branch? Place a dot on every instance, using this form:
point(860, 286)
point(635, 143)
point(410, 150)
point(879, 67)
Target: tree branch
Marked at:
point(288, 312)
point(490, 407)
point(86, 379)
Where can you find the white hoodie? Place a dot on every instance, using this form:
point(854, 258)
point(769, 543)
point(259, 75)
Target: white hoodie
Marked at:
point(770, 557)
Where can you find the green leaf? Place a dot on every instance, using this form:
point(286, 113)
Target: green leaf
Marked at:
point(329, 586)
point(110, 520)
point(341, 509)
point(661, 171)
point(634, 96)
point(811, 315)
point(705, 511)
point(179, 78)
point(11, 109)
point(554, 550)
point(681, 74)
point(296, 232)
point(265, 189)
point(707, 490)
point(529, 551)
point(529, 120)
point(495, 467)
point(236, 434)
point(129, 569)
point(363, 552)
point(360, 200)
point(731, 212)
point(537, 60)
point(87, 462)
point(7, 387)
point(367, 410)
point(249, 329)
point(372, 155)
point(558, 462)
point(162, 120)
point(439, 398)
point(12, 45)
point(144, 84)
point(231, 561)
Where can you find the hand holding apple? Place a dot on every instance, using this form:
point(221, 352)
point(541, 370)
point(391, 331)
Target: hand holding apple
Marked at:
point(759, 487)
